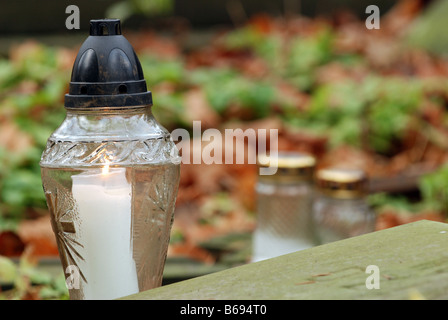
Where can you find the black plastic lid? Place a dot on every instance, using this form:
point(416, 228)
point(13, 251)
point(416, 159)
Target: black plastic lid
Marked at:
point(107, 72)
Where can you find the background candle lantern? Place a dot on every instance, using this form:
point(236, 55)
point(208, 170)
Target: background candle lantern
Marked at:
point(284, 206)
point(340, 209)
point(110, 173)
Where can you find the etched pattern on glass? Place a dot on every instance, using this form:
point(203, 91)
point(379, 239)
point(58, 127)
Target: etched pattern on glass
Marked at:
point(283, 220)
point(337, 219)
point(64, 230)
point(155, 191)
point(65, 225)
point(73, 153)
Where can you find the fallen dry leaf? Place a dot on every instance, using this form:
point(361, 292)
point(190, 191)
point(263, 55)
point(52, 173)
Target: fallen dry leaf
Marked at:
point(321, 274)
point(197, 108)
point(38, 235)
point(14, 139)
point(11, 245)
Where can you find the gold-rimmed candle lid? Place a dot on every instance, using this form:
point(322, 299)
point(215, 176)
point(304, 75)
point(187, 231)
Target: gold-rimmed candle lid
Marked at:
point(342, 182)
point(291, 165)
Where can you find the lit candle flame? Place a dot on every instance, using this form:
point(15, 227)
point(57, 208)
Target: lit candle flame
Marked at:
point(105, 169)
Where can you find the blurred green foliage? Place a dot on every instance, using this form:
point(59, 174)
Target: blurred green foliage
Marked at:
point(29, 282)
point(381, 106)
point(32, 86)
point(428, 30)
point(293, 59)
point(433, 188)
point(224, 87)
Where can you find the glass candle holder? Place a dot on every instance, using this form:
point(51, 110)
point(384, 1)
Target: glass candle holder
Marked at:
point(110, 174)
point(284, 207)
point(340, 210)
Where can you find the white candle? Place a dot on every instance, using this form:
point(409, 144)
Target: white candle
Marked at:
point(103, 201)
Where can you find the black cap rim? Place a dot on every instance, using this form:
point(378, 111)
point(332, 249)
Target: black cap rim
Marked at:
point(105, 101)
point(107, 72)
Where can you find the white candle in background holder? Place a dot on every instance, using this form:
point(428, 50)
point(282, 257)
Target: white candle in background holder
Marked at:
point(104, 201)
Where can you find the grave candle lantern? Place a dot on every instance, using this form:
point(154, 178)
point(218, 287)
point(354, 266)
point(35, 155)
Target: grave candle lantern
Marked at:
point(110, 173)
point(284, 206)
point(340, 209)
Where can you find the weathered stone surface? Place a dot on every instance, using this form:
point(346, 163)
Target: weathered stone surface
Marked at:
point(412, 261)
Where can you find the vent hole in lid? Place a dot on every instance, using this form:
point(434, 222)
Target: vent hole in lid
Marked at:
point(122, 88)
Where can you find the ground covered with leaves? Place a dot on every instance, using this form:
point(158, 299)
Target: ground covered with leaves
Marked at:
point(331, 87)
